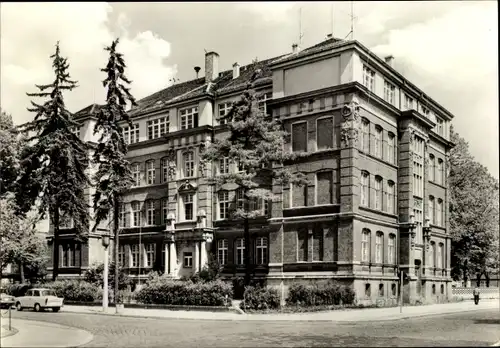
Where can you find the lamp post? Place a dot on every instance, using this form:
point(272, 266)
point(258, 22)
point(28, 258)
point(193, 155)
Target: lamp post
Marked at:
point(105, 244)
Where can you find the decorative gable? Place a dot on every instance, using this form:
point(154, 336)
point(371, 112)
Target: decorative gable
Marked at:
point(186, 187)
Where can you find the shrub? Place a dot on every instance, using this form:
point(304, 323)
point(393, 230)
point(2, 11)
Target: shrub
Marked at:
point(18, 290)
point(259, 298)
point(94, 275)
point(185, 293)
point(315, 295)
point(76, 290)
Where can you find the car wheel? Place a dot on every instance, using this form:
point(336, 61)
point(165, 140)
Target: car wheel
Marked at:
point(56, 309)
point(37, 307)
point(19, 307)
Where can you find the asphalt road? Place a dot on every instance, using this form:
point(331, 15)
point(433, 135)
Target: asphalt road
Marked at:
point(478, 328)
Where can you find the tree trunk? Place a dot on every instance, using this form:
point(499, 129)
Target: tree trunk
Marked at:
point(55, 263)
point(246, 236)
point(21, 271)
point(487, 279)
point(116, 209)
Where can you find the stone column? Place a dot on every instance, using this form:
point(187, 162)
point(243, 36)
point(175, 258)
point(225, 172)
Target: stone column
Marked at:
point(167, 259)
point(173, 259)
point(203, 254)
point(196, 257)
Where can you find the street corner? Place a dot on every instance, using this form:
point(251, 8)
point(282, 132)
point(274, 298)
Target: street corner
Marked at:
point(42, 334)
point(6, 331)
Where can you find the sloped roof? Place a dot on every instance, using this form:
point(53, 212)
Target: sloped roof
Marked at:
point(320, 47)
point(92, 109)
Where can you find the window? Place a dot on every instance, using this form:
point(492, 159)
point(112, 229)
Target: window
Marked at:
point(222, 251)
point(408, 102)
point(68, 255)
point(189, 118)
point(364, 188)
point(131, 134)
point(188, 206)
point(163, 256)
point(224, 205)
point(418, 166)
point(425, 111)
point(240, 251)
point(379, 247)
point(439, 213)
point(417, 211)
point(150, 255)
point(325, 188)
point(365, 136)
point(431, 210)
point(434, 289)
point(299, 195)
point(317, 244)
point(324, 133)
point(224, 165)
point(150, 172)
point(121, 255)
point(136, 214)
point(442, 289)
point(378, 141)
point(261, 252)
point(164, 210)
point(369, 78)
point(240, 199)
point(390, 197)
point(432, 165)
point(439, 257)
point(188, 259)
point(188, 158)
point(381, 290)
point(439, 126)
point(262, 100)
point(164, 170)
point(393, 289)
point(391, 249)
point(440, 172)
point(134, 253)
point(136, 174)
point(368, 290)
point(391, 147)
point(150, 213)
point(303, 245)
point(378, 193)
point(122, 215)
point(299, 137)
point(432, 254)
point(158, 127)
point(389, 92)
point(365, 246)
point(224, 109)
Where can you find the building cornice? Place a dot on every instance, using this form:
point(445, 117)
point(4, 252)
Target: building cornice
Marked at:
point(421, 120)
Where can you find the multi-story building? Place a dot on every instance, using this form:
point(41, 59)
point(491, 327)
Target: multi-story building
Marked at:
point(377, 161)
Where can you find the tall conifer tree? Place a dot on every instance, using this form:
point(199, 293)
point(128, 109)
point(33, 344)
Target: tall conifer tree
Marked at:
point(255, 144)
point(113, 175)
point(54, 160)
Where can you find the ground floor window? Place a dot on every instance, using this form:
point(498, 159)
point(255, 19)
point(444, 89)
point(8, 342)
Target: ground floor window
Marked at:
point(188, 259)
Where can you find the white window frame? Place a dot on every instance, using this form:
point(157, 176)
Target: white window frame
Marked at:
point(135, 250)
point(188, 200)
point(136, 214)
point(432, 255)
point(188, 164)
point(136, 174)
point(418, 166)
point(389, 92)
point(440, 172)
point(408, 102)
point(164, 169)
point(122, 215)
point(240, 251)
point(164, 210)
point(391, 249)
point(439, 126)
point(222, 251)
point(262, 101)
point(391, 147)
point(378, 192)
point(379, 247)
point(150, 213)
point(187, 118)
point(131, 134)
point(431, 211)
point(432, 168)
point(187, 259)
point(150, 172)
point(158, 127)
point(224, 109)
point(224, 202)
point(261, 250)
point(365, 189)
point(365, 245)
point(240, 198)
point(439, 212)
point(418, 218)
point(224, 165)
point(121, 255)
point(364, 144)
point(439, 257)
point(391, 197)
point(378, 141)
point(369, 78)
point(150, 253)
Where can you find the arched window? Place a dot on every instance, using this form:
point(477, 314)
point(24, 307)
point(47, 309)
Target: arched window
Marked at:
point(391, 249)
point(379, 247)
point(365, 177)
point(439, 212)
point(136, 174)
point(432, 254)
point(390, 197)
point(378, 192)
point(378, 141)
point(431, 210)
point(150, 172)
point(432, 165)
point(440, 255)
point(365, 136)
point(365, 246)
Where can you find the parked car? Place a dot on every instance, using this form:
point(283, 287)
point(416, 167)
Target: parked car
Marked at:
point(39, 299)
point(6, 301)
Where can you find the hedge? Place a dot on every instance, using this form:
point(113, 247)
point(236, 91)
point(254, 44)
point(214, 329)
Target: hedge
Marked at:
point(316, 295)
point(75, 290)
point(17, 290)
point(259, 298)
point(185, 293)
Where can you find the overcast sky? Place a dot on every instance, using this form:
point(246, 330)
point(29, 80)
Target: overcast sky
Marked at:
point(448, 49)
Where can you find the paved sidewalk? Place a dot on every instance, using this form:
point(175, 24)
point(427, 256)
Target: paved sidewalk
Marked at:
point(348, 315)
point(41, 334)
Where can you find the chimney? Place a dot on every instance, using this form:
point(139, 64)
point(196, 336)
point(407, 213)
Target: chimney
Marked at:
point(211, 66)
point(236, 70)
point(197, 69)
point(329, 36)
point(295, 48)
point(389, 60)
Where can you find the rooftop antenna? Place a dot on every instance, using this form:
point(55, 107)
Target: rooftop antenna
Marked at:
point(351, 33)
point(300, 27)
point(332, 19)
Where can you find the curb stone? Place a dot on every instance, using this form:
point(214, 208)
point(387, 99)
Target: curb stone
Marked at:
point(10, 332)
